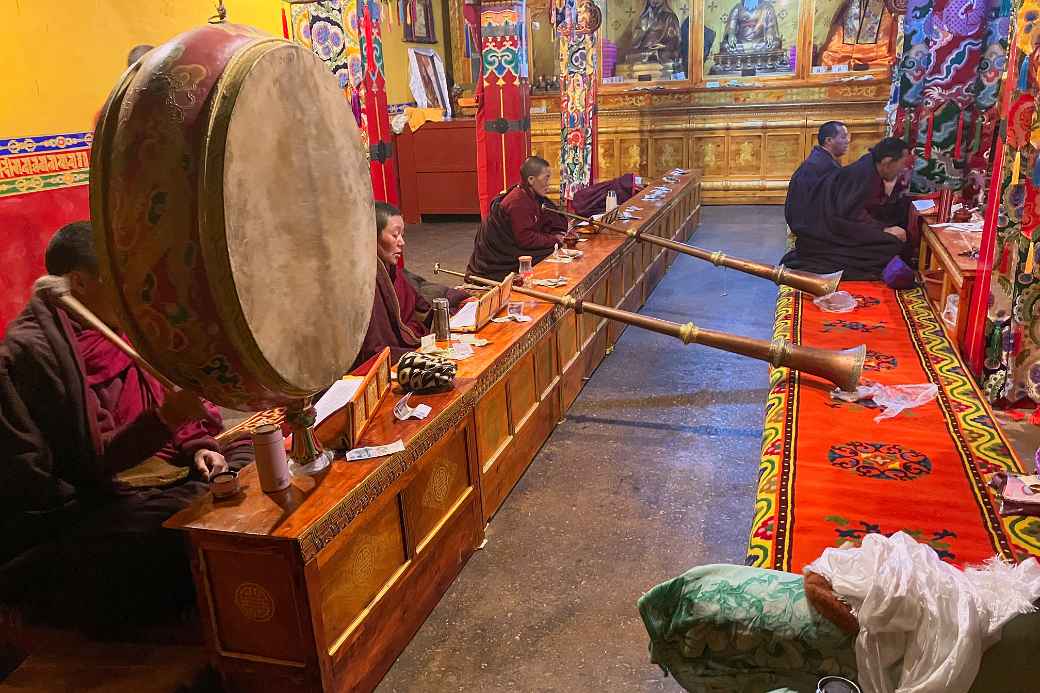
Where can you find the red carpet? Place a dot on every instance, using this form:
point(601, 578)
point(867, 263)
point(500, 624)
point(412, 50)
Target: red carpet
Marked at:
point(830, 474)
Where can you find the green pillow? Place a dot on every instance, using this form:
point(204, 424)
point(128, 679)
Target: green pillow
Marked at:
point(742, 630)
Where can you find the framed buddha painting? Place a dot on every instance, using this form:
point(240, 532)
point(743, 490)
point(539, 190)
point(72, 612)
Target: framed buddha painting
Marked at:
point(645, 40)
point(854, 35)
point(419, 23)
point(750, 38)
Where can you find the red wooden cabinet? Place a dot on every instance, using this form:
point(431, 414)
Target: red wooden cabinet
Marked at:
point(437, 169)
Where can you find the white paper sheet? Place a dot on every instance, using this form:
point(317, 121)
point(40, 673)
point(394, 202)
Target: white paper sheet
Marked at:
point(466, 317)
point(336, 398)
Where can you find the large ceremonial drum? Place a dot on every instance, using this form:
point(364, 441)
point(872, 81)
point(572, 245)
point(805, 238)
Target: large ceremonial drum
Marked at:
point(233, 216)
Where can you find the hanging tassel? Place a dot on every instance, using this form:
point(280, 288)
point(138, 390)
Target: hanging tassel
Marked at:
point(285, 25)
point(976, 143)
point(1030, 259)
point(928, 136)
point(1016, 168)
point(957, 145)
point(1023, 74)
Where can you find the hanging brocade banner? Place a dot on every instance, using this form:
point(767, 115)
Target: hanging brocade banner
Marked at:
point(335, 31)
point(947, 72)
point(503, 108)
point(381, 153)
point(576, 23)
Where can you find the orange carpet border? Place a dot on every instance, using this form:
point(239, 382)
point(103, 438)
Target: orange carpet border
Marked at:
point(829, 474)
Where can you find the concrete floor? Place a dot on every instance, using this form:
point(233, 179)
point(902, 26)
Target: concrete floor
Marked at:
point(652, 473)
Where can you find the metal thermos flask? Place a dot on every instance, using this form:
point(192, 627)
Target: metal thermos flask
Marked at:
point(440, 319)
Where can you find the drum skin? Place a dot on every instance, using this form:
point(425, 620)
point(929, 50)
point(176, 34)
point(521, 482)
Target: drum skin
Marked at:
point(233, 217)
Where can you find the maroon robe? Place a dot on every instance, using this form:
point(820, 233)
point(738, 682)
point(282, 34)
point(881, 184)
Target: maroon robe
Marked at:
point(71, 415)
point(516, 225)
point(593, 199)
point(400, 318)
point(844, 224)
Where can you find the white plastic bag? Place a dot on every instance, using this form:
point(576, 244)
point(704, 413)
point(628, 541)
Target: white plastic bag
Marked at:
point(836, 302)
point(891, 399)
point(924, 624)
point(949, 315)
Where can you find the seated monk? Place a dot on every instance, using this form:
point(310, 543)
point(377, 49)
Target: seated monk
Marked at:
point(517, 225)
point(833, 139)
point(854, 216)
point(401, 317)
point(97, 456)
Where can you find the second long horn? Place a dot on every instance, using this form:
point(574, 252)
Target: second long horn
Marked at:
point(815, 284)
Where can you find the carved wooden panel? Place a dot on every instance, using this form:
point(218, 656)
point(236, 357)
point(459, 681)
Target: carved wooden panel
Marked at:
point(545, 364)
point(784, 151)
point(709, 155)
point(567, 339)
point(438, 486)
point(492, 417)
point(608, 158)
point(523, 397)
point(254, 601)
point(355, 569)
point(745, 156)
point(668, 153)
point(633, 155)
point(860, 140)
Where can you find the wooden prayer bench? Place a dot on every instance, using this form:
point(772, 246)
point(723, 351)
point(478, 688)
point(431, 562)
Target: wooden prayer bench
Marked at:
point(947, 272)
point(321, 586)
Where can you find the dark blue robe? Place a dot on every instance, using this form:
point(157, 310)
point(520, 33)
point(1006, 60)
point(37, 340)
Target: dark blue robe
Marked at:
point(815, 168)
point(842, 226)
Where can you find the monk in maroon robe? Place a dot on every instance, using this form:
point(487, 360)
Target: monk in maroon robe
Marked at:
point(832, 144)
point(75, 413)
point(855, 219)
point(517, 225)
point(401, 316)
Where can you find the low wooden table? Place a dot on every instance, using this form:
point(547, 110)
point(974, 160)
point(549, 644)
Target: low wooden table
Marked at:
point(321, 586)
point(946, 271)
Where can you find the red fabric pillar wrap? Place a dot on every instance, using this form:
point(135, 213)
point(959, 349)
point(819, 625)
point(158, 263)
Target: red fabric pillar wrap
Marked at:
point(974, 347)
point(382, 166)
point(503, 109)
point(285, 25)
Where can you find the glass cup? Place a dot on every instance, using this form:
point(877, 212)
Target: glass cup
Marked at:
point(526, 272)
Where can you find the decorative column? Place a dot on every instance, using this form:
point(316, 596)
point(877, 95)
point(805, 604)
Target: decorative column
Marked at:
point(503, 103)
point(576, 23)
point(381, 154)
point(347, 39)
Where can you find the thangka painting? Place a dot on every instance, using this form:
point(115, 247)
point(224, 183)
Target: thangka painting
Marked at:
point(645, 40)
point(577, 22)
point(503, 109)
point(1011, 364)
point(945, 87)
point(851, 35)
point(750, 37)
point(337, 31)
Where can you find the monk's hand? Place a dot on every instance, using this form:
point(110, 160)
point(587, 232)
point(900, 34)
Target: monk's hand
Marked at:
point(209, 463)
point(181, 407)
point(897, 231)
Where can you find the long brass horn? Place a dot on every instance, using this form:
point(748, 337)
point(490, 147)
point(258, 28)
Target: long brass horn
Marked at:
point(815, 284)
point(843, 368)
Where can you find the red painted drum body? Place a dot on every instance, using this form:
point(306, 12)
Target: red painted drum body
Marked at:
point(233, 216)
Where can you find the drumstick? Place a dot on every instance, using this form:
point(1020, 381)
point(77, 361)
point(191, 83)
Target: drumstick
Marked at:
point(57, 289)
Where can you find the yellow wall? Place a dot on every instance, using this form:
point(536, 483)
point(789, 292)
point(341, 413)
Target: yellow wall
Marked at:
point(395, 54)
point(60, 59)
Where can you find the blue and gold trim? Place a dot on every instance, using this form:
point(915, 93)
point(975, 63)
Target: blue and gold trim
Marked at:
point(44, 162)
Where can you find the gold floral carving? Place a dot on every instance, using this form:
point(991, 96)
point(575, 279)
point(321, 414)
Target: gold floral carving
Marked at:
point(254, 602)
